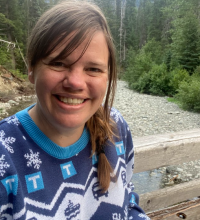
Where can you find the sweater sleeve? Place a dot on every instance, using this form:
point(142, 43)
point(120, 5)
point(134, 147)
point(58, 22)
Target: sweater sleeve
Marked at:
point(135, 211)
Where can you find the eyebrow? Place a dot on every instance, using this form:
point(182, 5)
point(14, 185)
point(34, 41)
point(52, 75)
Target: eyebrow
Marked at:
point(90, 63)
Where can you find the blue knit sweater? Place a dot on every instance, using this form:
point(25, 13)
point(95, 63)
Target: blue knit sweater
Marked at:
point(41, 180)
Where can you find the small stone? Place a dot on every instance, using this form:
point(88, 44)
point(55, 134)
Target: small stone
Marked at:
point(152, 174)
point(179, 170)
point(12, 102)
point(170, 169)
point(171, 183)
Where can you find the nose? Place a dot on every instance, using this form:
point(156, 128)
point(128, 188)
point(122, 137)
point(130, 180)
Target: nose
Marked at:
point(74, 79)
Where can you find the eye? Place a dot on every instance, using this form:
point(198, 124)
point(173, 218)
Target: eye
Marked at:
point(94, 71)
point(57, 66)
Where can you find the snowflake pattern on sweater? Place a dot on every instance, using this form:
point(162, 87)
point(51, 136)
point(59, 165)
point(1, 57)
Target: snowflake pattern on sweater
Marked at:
point(39, 180)
point(3, 165)
point(33, 159)
point(7, 141)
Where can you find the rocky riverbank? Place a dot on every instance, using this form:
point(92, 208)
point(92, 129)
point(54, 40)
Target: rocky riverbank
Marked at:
point(149, 115)
point(16, 104)
point(13, 92)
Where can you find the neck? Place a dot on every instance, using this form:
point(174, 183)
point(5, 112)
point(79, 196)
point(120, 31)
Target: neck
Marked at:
point(60, 136)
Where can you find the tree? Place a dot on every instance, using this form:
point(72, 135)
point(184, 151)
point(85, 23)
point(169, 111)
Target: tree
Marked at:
point(9, 17)
point(189, 45)
point(130, 22)
point(143, 22)
point(156, 20)
point(185, 35)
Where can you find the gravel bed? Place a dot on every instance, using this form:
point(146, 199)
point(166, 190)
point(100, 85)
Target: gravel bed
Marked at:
point(149, 115)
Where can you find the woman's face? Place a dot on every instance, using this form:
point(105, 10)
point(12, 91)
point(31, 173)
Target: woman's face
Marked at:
point(69, 95)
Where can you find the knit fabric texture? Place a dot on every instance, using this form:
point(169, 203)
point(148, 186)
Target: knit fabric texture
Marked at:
point(40, 180)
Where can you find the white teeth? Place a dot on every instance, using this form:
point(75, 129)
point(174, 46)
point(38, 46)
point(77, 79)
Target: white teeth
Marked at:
point(71, 101)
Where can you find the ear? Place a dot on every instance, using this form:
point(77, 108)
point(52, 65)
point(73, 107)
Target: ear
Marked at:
point(30, 76)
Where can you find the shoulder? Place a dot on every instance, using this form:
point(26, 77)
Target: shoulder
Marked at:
point(11, 120)
point(8, 136)
point(116, 115)
point(123, 130)
point(121, 123)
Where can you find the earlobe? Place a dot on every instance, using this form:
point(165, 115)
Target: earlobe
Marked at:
point(30, 77)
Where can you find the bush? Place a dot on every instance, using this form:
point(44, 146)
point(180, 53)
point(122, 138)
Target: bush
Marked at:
point(137, 66)
point(197, 71)
point(189, 94)
point(154, 48)
point(18, 74)
point(177, 77)
point(155, 82)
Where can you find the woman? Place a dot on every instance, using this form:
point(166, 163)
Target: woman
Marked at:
point(69, 156)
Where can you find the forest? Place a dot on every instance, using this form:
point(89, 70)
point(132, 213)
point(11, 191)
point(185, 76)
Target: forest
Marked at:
point(157, 43)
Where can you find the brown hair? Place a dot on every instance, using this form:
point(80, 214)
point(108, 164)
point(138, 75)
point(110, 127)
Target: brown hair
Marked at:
point(82, 19)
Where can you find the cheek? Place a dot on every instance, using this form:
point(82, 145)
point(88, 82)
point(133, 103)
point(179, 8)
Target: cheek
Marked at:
point(98, 86)
point(45, 80)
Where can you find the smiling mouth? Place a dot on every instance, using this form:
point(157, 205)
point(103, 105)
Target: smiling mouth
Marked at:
point(71, 101)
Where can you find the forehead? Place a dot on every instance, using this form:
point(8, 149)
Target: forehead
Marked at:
point(71, 44)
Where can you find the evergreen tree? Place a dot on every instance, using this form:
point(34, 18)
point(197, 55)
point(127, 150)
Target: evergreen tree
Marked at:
point(111, 10)
point(143, 22)
point(9, 25)
point(34, 12)
point(185, 35)
point(130, 22)
point(156, 20)
point(189, 45)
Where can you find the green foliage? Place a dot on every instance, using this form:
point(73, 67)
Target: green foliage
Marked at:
point(154, 48)
point(185, 35)
point(177, 77)
point(137, 65)
point(130, 20)
point(19, 74)
point(17, 17)
point(156, 20)
point(4, 22)
point(167, 60)
point(197, 71)
point(189, 94)
point(5, 56)
point(173, 100)
point(155, 82)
